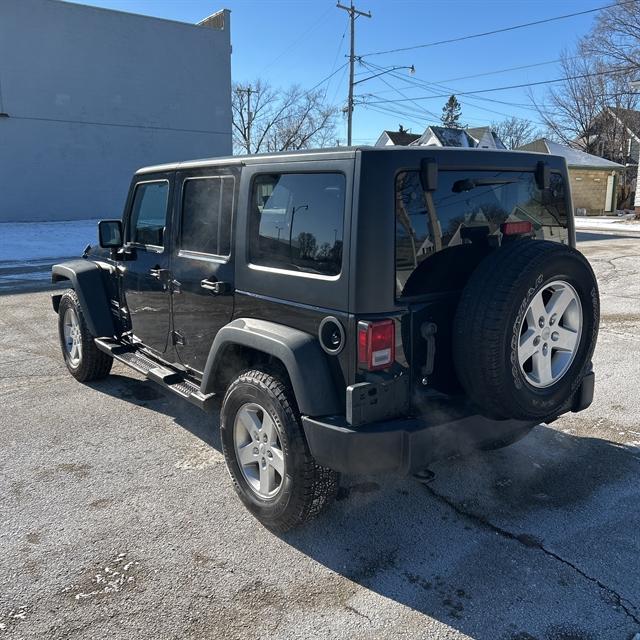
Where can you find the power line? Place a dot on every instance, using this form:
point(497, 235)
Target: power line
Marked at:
point(296, 41)
point(519, 86)
point(496, 71)
point(416, 83)
point(503, 30)
point(344, 73)
point(441, 87)
point(333, 73)
point(374, 67)
point(335, 60)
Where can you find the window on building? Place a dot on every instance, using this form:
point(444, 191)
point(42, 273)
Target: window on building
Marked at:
point(297, 222)
point(207, 206)
point(149, 213)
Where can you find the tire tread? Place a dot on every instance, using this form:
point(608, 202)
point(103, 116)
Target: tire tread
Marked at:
point(317, 485)
point(479, 320)
point(94, 364)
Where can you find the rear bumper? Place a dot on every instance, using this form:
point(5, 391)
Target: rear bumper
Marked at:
point(402, 446)
point(409, 444)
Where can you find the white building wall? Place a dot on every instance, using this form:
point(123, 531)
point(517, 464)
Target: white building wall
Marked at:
point(91, 95)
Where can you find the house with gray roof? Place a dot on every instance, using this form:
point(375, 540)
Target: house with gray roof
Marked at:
point(486, 138)
point(594, 180)
point(402, 137)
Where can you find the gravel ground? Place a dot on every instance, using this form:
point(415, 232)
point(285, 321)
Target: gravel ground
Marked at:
point(117, 518)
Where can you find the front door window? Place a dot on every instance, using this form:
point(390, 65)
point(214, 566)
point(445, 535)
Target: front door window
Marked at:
point(149, 213)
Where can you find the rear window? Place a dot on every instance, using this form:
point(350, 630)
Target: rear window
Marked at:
point(297, 222)
point(467, 199)
point(207, 205)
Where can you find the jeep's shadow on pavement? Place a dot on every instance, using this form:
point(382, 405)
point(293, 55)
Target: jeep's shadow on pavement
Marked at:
point(588, 236)
point(534, 542)
point(144, 393)
point(537, 541)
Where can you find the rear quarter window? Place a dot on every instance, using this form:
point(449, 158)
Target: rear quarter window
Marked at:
point(297, 222)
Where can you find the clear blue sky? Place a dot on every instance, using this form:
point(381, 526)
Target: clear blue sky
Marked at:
point(297, 41)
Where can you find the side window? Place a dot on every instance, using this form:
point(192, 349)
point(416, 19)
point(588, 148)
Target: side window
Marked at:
point(149, 213)
point(207, 205)
point(297, 222)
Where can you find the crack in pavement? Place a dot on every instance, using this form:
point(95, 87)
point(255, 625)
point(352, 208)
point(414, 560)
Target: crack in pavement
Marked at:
point(529, 541)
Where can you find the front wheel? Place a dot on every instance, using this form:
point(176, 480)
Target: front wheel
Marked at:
point(83, 359)
point(267, 455)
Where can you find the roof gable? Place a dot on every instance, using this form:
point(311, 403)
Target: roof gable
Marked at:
point(445, 137)
point(629, 118)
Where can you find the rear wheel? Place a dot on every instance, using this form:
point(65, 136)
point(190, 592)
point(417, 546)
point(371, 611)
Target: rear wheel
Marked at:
point(267, 455)
point(525, 330)
point(84, 360)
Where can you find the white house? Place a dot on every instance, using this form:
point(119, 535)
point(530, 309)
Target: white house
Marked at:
point(436, 136)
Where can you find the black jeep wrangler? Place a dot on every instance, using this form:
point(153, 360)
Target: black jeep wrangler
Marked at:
point(355, 310)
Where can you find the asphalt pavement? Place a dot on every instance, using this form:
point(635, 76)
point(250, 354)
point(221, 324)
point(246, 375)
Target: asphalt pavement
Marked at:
point(118, 520)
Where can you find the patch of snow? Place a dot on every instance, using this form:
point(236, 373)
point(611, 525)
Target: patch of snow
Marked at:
point(35, 275)
point(21, 241)
point(607, 223)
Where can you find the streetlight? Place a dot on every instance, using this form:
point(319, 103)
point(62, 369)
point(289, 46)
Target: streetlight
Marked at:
point(349, 108)
point(412, 71)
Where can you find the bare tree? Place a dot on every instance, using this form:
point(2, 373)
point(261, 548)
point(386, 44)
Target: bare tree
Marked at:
point(280, 120)
point(615, 37)
point(570, 108)
point(515, 132)
point(592, 108)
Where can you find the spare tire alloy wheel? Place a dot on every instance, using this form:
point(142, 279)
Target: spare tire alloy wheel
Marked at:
point(525, 330)
point(550, 334)
point(258, 450)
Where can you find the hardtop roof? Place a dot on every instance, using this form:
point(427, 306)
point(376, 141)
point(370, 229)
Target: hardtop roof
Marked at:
point(332, 153)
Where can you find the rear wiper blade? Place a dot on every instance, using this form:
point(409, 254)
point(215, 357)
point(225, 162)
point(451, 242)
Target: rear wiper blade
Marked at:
point(471, 183)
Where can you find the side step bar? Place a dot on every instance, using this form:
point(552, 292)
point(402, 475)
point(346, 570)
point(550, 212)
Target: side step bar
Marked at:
point(170, 379)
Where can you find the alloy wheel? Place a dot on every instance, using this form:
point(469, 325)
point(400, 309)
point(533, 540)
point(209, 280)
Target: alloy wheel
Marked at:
point(550, 334)
point(258, 450)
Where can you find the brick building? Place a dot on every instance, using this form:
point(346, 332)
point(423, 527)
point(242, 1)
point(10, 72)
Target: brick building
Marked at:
point(594, 180)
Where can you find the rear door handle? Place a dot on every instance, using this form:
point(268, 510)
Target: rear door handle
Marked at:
point(216, 287)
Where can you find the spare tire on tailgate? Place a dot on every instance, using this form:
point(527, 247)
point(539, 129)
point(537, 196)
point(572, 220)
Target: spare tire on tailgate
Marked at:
point(525, 330)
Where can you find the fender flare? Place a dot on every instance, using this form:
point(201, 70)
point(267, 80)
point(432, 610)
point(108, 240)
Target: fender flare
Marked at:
point(86, 279)
point(299, 352)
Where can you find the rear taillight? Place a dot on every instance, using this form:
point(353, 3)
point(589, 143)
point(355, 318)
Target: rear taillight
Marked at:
point(376, 344)
point(516, 228)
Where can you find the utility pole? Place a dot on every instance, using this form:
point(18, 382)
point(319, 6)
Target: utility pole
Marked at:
point(248, 91)
point(353, 14)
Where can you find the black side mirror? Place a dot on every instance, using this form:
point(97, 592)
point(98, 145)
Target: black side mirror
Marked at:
point(110, 234)
point(429, 174)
